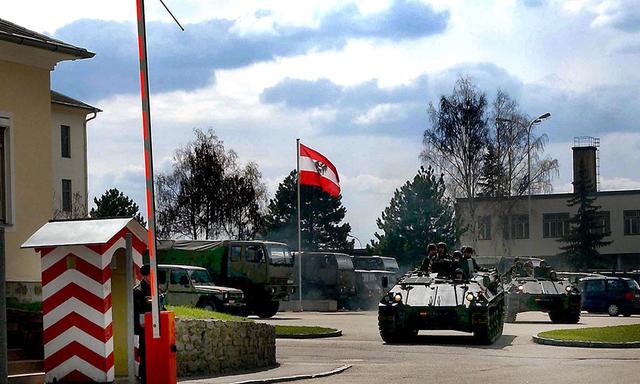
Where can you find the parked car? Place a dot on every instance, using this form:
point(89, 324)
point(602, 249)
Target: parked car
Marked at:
point(192, 286)
point(612, 295)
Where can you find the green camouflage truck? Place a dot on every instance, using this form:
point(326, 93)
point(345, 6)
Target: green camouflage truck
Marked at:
point(263, 270)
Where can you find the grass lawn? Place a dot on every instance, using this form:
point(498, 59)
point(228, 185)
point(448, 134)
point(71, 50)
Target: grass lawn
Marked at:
point(301, 330)
point(615, 334)
point(197, 313)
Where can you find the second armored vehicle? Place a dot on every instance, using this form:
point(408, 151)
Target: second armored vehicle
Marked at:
point(436, 301)
point(539, 289)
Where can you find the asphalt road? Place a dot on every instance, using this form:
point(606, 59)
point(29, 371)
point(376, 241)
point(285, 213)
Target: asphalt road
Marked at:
point(451, 357)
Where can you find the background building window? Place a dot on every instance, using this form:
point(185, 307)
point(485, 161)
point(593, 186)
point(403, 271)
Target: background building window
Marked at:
point(484, 227)
point(555, 224)
point(632, 222)
point(603, 223)
point(65, 140)
point(519, 226)
point(515, 227)
point(66, 195)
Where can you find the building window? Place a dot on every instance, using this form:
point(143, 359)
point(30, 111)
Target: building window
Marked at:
point(516, 227)
point(603, 223)
point(65, 140)
point(484, 227)
point(5, 170)
point(632, 222)
point(66, 195)
point(3, 189)
point(555, 224)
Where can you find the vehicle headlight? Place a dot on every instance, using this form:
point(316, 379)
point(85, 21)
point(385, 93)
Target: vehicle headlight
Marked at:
point(470, 296)
point(520, 288)
point(225, 295)
point(569, 288)
point(397, 298)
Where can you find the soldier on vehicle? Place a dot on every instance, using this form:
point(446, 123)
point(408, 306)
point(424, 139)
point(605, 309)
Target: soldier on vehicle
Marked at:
point(458, 263)
point(431, 254)
point(542, 271)
point(519, 267)
point(528, 269)
point(442, 251)
point(468, 255)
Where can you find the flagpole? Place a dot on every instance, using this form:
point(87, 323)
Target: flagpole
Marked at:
point(299, 231)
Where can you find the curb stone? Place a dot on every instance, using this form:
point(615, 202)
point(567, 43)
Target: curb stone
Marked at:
point(583, 344)
point(295, 377)
point(336, 333)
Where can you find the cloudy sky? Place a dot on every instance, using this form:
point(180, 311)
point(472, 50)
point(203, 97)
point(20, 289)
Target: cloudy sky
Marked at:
point(352, 79)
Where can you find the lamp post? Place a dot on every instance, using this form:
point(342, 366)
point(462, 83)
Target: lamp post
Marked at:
point(356, 239)
point(529, 127)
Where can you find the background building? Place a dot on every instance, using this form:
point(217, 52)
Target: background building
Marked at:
point(31, 169)
point(506, 230)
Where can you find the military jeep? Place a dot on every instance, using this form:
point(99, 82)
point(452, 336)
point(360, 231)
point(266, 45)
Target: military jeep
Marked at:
point(192, 286)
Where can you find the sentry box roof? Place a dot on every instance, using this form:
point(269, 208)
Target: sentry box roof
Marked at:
point(78, 232)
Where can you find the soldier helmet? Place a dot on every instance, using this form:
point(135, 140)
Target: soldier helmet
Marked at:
point(469, 250)
point(145, 270)
point(457, 254)
point(431, 247)
point(442, 245)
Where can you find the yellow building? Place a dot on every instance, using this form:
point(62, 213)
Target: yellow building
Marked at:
point(31, 170)
point(505, 230)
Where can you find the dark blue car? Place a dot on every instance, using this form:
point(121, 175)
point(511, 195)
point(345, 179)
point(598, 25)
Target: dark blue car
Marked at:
point(612, 295)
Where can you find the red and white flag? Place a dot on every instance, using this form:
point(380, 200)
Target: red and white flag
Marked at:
point(317, 170)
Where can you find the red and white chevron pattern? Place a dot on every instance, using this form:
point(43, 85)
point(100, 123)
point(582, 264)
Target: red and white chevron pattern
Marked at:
point(76, 302)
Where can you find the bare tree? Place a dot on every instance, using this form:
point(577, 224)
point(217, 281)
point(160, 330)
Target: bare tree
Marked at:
point(456, 141)
point(510, 142)
point(207, 195)
point(78, 208)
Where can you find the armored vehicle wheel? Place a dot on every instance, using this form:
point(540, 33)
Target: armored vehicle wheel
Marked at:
point(564, 317)
point(490, 332)
point(391, 332)
point(510, 316)
point(268, 309)
point(613, 310)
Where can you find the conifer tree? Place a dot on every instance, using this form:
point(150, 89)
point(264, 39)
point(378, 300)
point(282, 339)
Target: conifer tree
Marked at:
point(419, 213)
point(585, 233)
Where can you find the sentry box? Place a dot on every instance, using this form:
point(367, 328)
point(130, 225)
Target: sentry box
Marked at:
point(88, 270)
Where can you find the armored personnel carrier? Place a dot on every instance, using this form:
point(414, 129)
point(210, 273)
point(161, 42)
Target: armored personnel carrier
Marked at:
point(440, 301)
point(538, 288)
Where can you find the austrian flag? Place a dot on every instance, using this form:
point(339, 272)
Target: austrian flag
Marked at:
point(317, 170)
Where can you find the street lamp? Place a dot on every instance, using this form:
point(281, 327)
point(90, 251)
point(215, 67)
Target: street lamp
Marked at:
point(356, 239)
point(537, 120)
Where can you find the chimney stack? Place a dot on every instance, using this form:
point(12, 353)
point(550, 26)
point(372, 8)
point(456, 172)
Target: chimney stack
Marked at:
point(585, 152)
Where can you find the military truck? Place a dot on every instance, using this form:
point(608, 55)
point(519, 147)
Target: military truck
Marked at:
point(441, 301)
point(192, 286)
point(376, 263)
point(263, 270)
point(540, 289)
point(370, 287)
point(327, 276)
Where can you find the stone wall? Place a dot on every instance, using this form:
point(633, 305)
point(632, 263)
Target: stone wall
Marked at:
point(210, 347)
